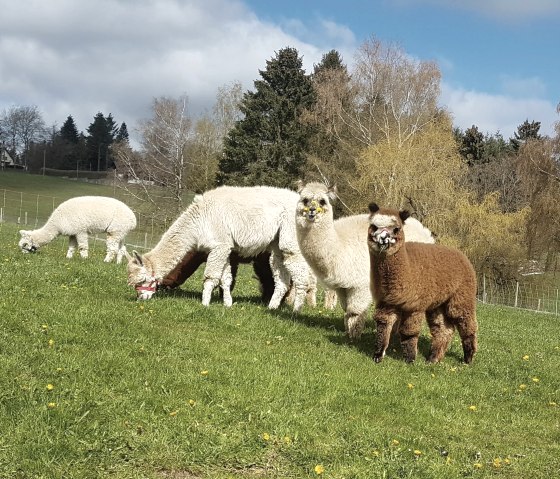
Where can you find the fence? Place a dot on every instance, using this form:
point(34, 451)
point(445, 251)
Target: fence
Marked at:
point(32, 211)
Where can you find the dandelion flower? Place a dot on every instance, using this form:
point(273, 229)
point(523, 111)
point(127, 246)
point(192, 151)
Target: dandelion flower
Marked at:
point(50, 387)
point(410, 386)
point(173, 413)
point(394, 442)
point(526, 357)
point(453, 369)
point(375, 453)
point(417, 452)
point(266, 436)
point(287, 440)
point(535, 380)
point(552, 403)
point(477, 465)
point(497, 462)
point(204, 373)
point(522, 387)
point(192, 402)
point(44, 327)
point(51, 343)
point(319, 469)
point(472, 408)
point(51, 405)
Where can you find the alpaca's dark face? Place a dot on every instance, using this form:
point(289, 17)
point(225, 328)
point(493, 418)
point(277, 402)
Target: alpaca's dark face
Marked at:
point(26, 243)
point(314, 204)
point(385, 233)
point(139, 277)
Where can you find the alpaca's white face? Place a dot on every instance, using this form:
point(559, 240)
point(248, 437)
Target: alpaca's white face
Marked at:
point(384, 233)
point(313, 205)
point(26, 243)
point(139, 277)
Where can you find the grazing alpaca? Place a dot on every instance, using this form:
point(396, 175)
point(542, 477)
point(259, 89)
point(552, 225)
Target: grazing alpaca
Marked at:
point(80, 216)
point(337, 251)
point(247, 220)
point(411, 281)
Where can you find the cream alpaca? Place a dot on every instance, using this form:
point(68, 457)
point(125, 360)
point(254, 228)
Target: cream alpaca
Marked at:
point(246, 220)
point(79, 216)
point(410, 281)
point(337, 251)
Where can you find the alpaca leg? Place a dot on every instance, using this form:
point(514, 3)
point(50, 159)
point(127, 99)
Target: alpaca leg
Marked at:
point(441, 330)
point(121, 252)
point(385, 318)
point(82, 239)
point(226, 282)
point(112, 248)
point(281, 279)
point(299, 272)
point(72, 245)
point(330, 299)
point(467, 326)
point(261, 267)
point(358, 301)
point(311, 296)
point(409, 330)
point(215, 265)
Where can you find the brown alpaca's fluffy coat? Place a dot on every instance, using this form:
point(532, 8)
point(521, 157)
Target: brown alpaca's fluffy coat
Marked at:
point(413, 281)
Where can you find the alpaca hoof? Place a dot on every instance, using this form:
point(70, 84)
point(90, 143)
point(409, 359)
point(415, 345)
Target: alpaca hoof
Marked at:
point(378, 358)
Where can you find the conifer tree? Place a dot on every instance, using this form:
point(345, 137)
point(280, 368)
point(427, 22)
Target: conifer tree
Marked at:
point(269, 144)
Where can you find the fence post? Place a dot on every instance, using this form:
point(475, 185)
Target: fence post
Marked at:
point(484, 288)
point(556, 306)
point(516, 292)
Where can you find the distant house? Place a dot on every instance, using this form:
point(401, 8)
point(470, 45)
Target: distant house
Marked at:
point(6, 160)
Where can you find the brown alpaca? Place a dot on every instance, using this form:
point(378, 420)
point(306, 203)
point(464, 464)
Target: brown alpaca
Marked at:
point(413, 281)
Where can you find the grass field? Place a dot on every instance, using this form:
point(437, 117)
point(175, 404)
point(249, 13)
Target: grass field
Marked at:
point(95, 384)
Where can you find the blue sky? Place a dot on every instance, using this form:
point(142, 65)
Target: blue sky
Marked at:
point(499, 58)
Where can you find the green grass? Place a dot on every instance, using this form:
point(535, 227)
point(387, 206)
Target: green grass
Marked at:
point(170, 389)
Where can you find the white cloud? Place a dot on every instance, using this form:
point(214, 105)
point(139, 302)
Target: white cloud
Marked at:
point(493, 113)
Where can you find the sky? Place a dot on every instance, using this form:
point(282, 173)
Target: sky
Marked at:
point(499, 59)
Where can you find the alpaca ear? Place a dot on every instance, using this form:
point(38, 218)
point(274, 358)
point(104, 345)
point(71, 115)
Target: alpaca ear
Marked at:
point(137, 258)
point(332, 192)
point(127, 255)
point(404, 214)
point(373, 207)
point(299, 185)
point(23, 232)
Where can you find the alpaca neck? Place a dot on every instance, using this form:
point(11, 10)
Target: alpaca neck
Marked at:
point(390, 273)
point(45, 234)
point(318, 245)
point(176, 242)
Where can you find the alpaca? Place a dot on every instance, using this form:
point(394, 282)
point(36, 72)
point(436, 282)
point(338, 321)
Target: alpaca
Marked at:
point(337, 251)
point(247, 220)
point(411, 281)
point(80, 216)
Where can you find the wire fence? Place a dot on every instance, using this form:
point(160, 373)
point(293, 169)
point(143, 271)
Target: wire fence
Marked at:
point(32, 211)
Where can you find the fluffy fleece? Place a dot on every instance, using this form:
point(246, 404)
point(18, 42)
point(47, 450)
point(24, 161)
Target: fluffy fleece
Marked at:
point(80, 216)
point(411, 281)
point(246, 220)
point(337, 251)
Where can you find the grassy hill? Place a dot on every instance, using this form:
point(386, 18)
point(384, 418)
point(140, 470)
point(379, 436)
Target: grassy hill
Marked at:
point(96, 384)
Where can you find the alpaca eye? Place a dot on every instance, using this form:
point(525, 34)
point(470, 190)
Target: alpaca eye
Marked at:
point(305, 201)
point(322, 202)
point(396, 231)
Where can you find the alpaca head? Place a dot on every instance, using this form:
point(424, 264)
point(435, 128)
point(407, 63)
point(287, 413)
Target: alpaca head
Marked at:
point(26, 243)
point(385, 233)
point(314, 205)
point(139, 277)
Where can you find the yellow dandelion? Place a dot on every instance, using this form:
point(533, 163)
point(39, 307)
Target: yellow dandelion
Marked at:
point(266, 436)
point(192, 402)
point(204, 373)
point(50, 387)
point(477, 465)
point(497, 462)
point(522, 387)
point(268, 343)
point(417, 452)
point(394, 442)
point(173, 413)
point(375, 453)
point(51, 343)
point(142, 307)
point(433, 375)
point(44, 327)
point(453, 369)
point(319, 469)
point(526, 357)
point(58, 370)
point(552, 403)
point(410, 386)
point(535, 380)
point(472, 408)
point(51, 405)
point(507, 461)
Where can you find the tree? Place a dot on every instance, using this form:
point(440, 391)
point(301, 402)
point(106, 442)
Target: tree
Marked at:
point(21, 126)
point(471, 146)
point(526, 131)
point(269, 144)
point(101, 134)
point(122, 134)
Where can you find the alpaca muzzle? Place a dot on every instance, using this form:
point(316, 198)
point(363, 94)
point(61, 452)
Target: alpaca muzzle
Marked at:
point(383, 238)
point(311, 211)
point(146, 290)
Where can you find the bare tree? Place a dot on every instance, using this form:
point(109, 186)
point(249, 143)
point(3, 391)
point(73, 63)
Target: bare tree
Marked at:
point(20, 127)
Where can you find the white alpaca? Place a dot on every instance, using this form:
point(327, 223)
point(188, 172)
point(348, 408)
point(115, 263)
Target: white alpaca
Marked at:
point(247, 220)
point(80, 216)
point(337, 251)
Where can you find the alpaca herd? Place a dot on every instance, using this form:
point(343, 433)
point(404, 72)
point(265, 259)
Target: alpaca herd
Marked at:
point(293, 242)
